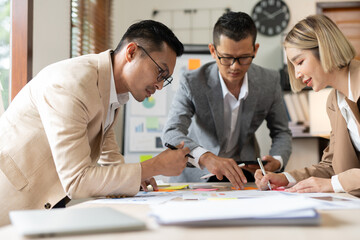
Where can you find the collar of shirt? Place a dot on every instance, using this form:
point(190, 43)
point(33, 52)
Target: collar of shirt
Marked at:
point(115, 101)
point(343, 106)
point(341, 100)
point(244, 90)
point(349, 116)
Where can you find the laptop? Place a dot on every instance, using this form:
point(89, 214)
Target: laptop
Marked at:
point(69, 221)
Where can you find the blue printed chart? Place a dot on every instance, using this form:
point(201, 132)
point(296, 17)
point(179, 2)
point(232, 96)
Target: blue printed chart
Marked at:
point(149, 102)
point(144, 121)
point(152, 106)
point(146, 134)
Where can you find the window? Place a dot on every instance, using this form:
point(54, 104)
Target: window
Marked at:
point(90, 26)
point(4, 53)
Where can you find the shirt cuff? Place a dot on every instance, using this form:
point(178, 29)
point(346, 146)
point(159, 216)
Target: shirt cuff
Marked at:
point(279, 158)
point(336, 184)
point(196, 153)
point(290, 178)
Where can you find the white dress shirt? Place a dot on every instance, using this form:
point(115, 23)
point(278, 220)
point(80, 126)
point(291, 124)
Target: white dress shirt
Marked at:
point(115, 101)
point(353, 132)
point(231, 123)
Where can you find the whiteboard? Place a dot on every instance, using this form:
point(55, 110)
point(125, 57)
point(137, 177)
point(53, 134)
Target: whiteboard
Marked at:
point(144, 121)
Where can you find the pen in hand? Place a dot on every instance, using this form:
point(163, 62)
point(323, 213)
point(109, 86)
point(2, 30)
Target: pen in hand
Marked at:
point(168, 145)
point(263, 171)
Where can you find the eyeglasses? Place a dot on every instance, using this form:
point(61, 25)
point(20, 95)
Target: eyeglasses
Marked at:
point(163, 74)
point(228, 61)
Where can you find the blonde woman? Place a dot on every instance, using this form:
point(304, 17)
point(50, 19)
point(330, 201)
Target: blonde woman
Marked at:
point(319, 55)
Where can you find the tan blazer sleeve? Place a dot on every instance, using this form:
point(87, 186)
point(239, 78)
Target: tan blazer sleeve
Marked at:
point(350, 181)
point(71, 110)
point(110, 151)
point(323, 169)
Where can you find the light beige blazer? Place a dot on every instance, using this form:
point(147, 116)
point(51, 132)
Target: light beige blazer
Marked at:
point(52, 139)
point(340, 157)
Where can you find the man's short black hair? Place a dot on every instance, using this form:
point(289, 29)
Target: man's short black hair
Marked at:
point(234, 25)
point(151, 35)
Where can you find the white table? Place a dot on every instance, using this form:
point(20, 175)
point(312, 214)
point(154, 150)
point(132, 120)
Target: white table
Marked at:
point(335, 224)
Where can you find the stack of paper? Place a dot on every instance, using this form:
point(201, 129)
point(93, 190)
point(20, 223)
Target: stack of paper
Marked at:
point(69, 221)
point(278, 210)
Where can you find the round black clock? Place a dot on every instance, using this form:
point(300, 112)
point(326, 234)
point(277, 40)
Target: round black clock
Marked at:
point(271, 17)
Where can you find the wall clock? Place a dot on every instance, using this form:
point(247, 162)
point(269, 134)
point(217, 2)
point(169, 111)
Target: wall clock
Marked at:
point(271, 17)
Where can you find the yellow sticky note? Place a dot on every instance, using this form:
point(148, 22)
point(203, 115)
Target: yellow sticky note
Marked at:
point(145, 157)
point(194, 64)
point(177, 187)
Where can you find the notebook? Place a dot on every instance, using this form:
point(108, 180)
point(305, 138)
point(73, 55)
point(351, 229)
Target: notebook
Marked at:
point(277, 210)
point(68, 221)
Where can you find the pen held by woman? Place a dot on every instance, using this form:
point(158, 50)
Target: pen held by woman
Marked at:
point(263, 171)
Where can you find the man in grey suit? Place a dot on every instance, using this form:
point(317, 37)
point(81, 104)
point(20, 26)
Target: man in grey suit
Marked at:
point(219, 106)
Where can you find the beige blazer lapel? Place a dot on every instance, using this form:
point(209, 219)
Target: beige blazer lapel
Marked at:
point(345, 156)
point(104, 69)
point(355, 91)
point(355, 110)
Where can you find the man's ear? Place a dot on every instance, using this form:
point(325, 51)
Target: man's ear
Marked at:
point(130, 51)
point(257, 45)
point(212, 50)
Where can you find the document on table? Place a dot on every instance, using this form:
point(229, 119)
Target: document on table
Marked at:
point(330, 201)
point(141, 198)
point(68, 221)
point(198, 195)
point(273, 210)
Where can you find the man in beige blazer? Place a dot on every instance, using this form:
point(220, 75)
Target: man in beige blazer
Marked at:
point(57, 139)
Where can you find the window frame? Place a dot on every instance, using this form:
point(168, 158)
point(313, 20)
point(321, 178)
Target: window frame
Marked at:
point(21, 44)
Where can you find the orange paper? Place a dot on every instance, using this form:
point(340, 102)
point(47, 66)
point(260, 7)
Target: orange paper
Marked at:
point(194, 64)
point(165, 190)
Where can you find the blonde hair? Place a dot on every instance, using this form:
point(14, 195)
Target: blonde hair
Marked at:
point(320, 35)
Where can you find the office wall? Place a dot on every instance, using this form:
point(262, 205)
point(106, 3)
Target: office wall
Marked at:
point(269, 55)
point(51, 36)
point(52, 31)
point(52, 24)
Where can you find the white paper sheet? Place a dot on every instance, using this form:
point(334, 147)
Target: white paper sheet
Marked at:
point(141, 198)
point(204, 195)
point(264, 207)
point(329, 201)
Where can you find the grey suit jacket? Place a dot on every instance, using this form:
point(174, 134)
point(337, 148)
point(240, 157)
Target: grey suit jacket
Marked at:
point(197, 116)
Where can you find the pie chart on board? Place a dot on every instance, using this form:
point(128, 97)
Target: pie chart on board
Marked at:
point(149, 102)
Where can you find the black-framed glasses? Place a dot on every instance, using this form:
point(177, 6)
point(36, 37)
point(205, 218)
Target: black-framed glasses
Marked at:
point(228, 61)
point(163, 74)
